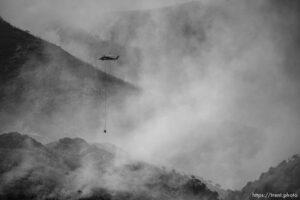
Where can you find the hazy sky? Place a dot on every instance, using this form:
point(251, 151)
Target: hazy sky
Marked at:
point(221, 81)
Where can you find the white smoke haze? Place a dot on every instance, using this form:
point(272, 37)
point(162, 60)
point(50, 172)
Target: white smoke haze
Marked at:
point(216, 98)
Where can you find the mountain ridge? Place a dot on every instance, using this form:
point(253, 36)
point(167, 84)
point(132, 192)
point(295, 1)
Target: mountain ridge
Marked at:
point(279, 180)
point(94, 174)
point(40, 82)
point(101, 177)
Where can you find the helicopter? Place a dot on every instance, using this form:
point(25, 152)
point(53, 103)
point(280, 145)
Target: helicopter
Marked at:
point(105, 57)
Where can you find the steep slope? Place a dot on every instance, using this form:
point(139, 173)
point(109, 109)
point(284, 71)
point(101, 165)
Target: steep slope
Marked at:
point(40, 82)
point(18, 47)
point(73, 169)
point(173, 32)
point(283, 179)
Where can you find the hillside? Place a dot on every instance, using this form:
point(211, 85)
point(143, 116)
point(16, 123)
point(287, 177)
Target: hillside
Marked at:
point(284, 179)
point(40, 82)
point(71, 168)
point(74, 169)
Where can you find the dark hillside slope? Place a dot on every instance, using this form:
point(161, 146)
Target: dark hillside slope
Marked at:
point(283, 179)
point(74, 169)
point(39, 82)
point(18, 47)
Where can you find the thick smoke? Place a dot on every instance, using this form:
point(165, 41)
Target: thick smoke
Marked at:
point(220, 80)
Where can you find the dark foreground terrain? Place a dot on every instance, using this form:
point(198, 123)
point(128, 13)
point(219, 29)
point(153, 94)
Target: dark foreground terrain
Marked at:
point(280, 182)
point(75, 169)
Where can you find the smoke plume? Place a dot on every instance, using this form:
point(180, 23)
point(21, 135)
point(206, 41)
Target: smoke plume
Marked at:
point(219, 79)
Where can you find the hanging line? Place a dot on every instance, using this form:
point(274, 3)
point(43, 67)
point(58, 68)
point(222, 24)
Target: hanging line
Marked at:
point(105, 90)
point(105, 98)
